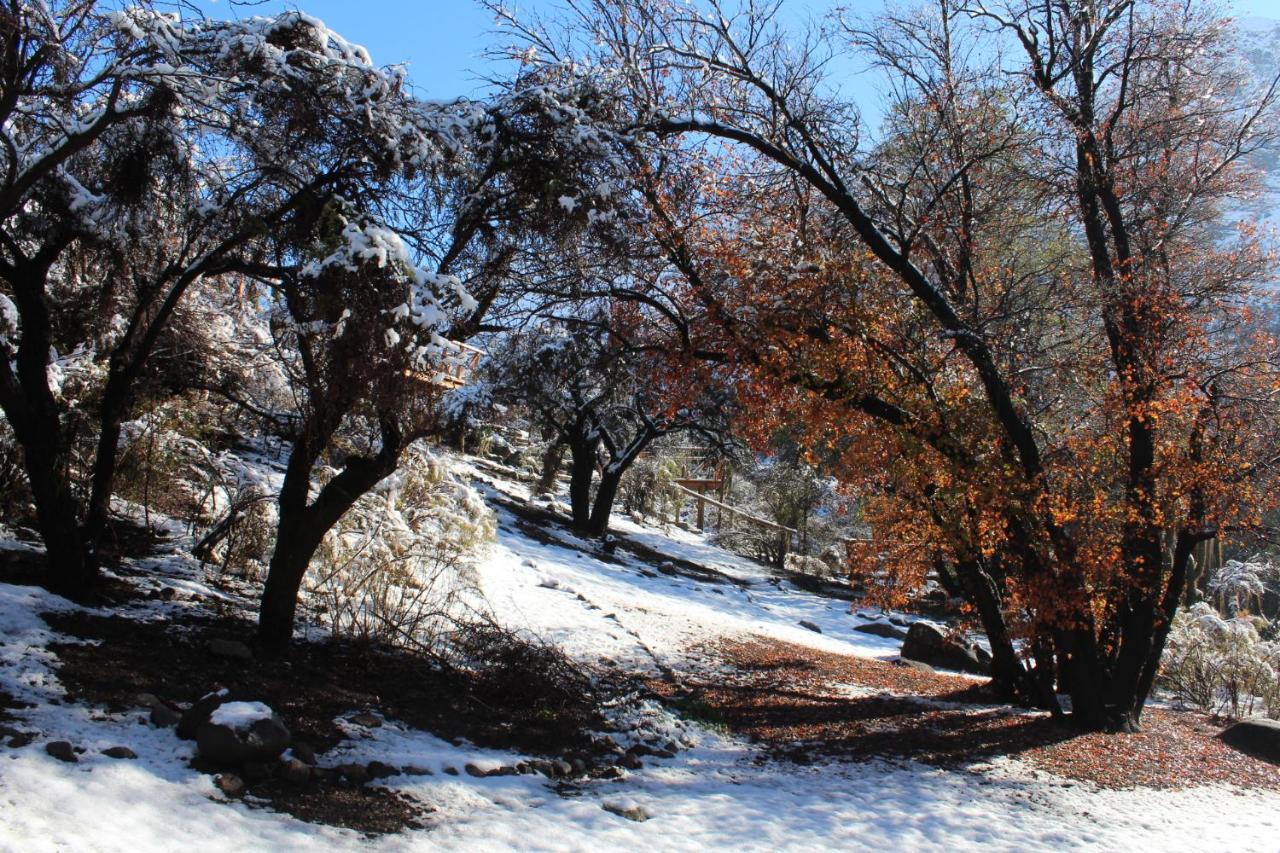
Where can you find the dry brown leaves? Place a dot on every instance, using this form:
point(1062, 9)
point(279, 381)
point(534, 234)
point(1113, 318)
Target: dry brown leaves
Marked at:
point(802, 703)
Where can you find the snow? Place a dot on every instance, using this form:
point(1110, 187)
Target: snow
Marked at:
point(714, 794)
point(240, 715)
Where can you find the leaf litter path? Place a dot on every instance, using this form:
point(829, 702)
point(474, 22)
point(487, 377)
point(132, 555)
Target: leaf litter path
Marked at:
point(804, 704)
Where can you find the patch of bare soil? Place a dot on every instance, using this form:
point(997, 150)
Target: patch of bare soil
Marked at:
point(317, 683)
point(802, 703)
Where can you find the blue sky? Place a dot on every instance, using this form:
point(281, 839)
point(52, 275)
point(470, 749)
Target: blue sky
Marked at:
point(443, 41)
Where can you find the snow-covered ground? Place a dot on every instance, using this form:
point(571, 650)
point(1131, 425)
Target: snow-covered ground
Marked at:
point(713, 795)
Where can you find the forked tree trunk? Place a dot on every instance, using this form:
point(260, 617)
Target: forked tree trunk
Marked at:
point(302, 526)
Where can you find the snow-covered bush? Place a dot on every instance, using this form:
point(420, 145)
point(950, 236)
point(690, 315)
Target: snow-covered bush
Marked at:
point(1242, 585)
point(1222, 665)
point(393, 568)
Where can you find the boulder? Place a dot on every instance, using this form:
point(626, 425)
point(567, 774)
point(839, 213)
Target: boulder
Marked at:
point(198, 714)
point(62, 750)
point(228, 744)
point(119, 752)
point(927, 644)
point(368, 721)
point(882, 629)
point(1257, 737)
point(805, 623)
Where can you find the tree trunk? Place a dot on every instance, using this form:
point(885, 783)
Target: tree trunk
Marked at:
point(302, 526)
point(551, 459)
point(582, 469)
point(603, 507)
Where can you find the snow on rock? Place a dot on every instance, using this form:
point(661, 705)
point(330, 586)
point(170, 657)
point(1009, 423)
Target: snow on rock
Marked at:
point(240, 715)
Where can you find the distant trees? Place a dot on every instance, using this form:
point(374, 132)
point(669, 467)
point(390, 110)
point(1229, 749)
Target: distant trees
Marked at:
point(1013, 314)
point(607, 399)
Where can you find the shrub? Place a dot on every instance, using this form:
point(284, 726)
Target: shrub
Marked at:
point(1222, 665)
point(394, 567)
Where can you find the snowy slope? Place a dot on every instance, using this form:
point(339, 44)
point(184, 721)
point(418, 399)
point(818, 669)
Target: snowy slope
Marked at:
point(713, 795)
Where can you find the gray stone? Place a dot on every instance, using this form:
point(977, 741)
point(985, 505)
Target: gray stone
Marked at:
point(915, 664)
point(560, 767)
point(224, 746)
point(295, 771)
point(667, 568)
point(119, 752)
point(630, 812)
point(62, 750)
point(164, 717)
point(229, 784)
point(356, 774)
point(1257, 737)
point(381, 770)
point(882, 629)
point(926, 643)
point(579, 766)
point(369, 721)
point(198, 714)
point(631, 761)
point(805, 623)
point(233, 649)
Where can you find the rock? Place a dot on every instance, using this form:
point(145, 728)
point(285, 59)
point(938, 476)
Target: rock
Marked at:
point(640, 749)
point(805, 623)
point(667, 567)
point(223, 746)
point(198, 714)
point(414, 770)
point(21, 739)
point(164, 717)
point(915, 664)
point(473, 770)
point(1257, 737)
point(119, 752)
point(356, 774)
point(369, 721)
point(579, 766)
point(927, 644)
point(233, 649)
point(62, 750)
point(631, 811)
point(560, 767)
point(529, 562)
point(451, 771)
point(168, 593)
point(631, 761)
point(229, 784)
point(304, 753)
point(549, 583)
point(381, 770)
point(882, 629)
point(295, 771)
